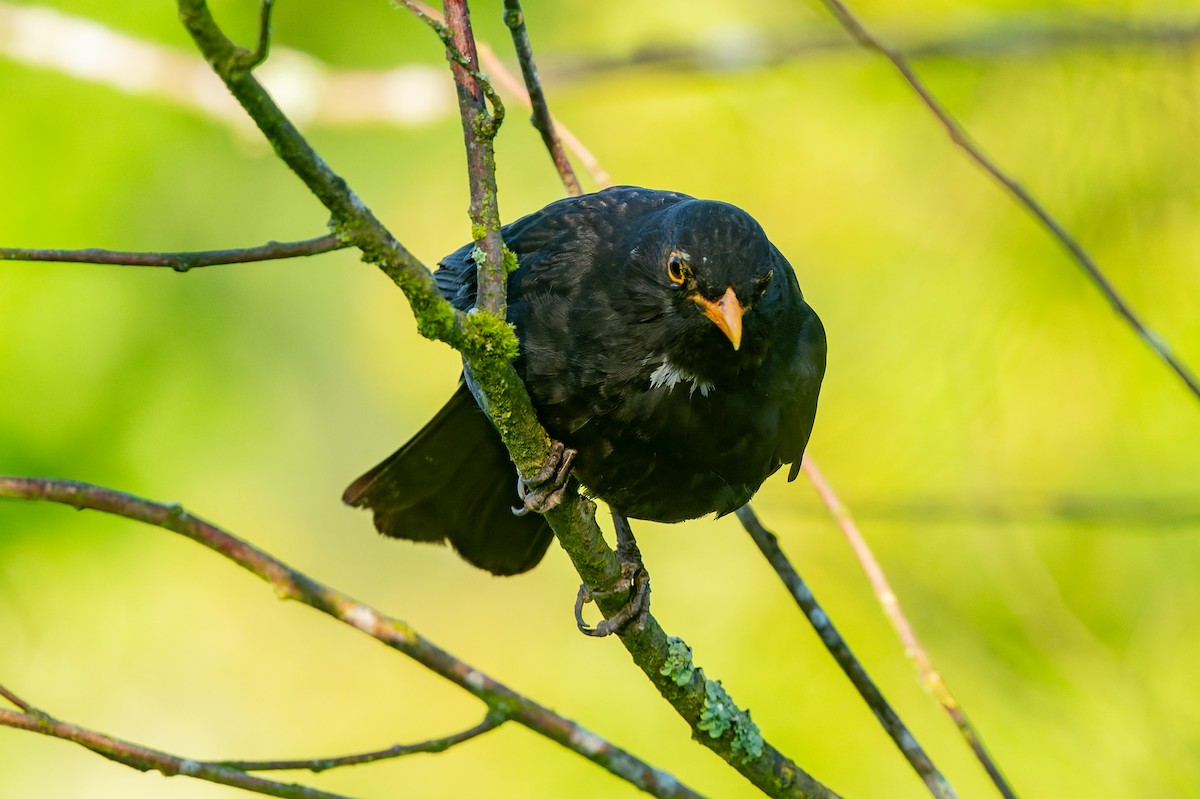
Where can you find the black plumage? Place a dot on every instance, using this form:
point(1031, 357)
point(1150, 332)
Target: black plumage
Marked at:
point(663, 338)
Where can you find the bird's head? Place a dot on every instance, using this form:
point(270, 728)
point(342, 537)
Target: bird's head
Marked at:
point(711, 264)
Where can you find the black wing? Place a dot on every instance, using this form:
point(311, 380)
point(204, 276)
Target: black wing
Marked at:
point(454, 482)
point(799, 415)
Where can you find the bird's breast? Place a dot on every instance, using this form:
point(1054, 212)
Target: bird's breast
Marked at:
point(663, 443)
point(666, 375)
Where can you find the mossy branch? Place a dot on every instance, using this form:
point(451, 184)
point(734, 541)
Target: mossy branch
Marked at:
point(486, 344)
point(480, 126)
point(958, 134)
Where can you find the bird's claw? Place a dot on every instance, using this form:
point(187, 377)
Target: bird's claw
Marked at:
point(635, 581)
point(546, 489)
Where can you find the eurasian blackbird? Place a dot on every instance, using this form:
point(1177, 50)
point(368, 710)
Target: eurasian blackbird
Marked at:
point(663, 339)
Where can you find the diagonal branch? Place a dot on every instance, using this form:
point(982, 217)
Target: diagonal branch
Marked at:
point(929, 676)
point(959, 136)
point(17, 701)
point(514, 18)
point(180, 261)
point(542, 119)
point(485, 342)
point(768, 544)
point(290, 583)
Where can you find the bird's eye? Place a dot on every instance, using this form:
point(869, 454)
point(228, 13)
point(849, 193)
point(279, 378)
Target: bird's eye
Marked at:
point(761, 283)
point(676, 269)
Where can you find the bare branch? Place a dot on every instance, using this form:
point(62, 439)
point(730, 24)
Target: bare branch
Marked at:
point(180, 261)
point(16, 700)
point(768, 544)
point(490, 722)
point(290, 583)
point(959, 136)
point(929, 676)
point(514, 18)
point(262, 50)
point(501, 75)
point(145, 759)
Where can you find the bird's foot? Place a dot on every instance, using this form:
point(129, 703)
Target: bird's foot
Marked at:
point(634, 581)
point(545, 490)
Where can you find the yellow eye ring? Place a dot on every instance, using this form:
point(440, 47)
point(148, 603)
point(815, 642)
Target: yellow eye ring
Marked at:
point(676, 269)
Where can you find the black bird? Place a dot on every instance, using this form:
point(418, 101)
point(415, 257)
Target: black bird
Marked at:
point(663, 339)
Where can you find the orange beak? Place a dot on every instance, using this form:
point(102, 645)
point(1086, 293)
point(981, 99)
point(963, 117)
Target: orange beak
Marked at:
point(725, 313)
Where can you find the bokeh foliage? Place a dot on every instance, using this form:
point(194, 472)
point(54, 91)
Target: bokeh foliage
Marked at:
point(1025, 469)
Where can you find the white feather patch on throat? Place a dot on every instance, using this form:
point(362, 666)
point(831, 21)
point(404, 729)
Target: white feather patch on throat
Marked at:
point(669, 375)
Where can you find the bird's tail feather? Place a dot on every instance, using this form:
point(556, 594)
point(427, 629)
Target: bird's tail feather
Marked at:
point(454, 482)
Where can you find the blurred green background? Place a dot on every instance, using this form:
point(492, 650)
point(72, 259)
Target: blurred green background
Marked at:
point(1025, 470)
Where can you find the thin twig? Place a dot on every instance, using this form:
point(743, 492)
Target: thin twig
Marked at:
point(490, 722)
point(959, 136)
point(458, 55)
point(180, 261)
point(263, 48)
point(905, 741)
point(167, 73)
point(144, 758)
point(514, 18)
point(292, 584)
point(1030, 39)
point(16, 700)
point(501, 75)
point(929, 676)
